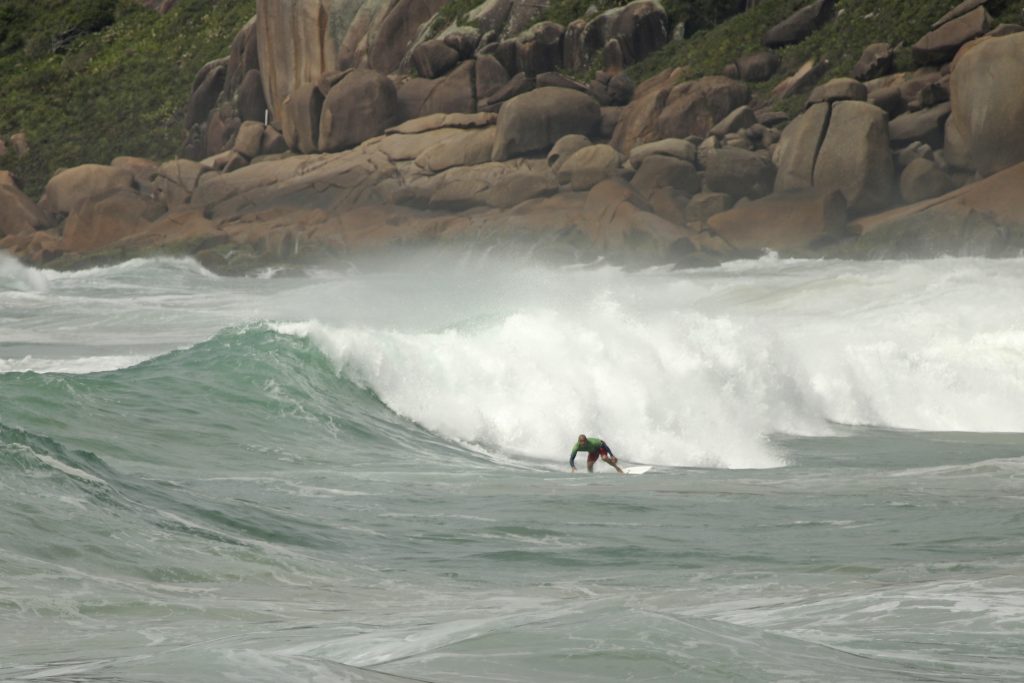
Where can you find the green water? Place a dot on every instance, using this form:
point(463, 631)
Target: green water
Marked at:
point(286, 480)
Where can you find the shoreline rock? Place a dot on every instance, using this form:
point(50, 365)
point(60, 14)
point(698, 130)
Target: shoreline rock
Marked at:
point(490, 143)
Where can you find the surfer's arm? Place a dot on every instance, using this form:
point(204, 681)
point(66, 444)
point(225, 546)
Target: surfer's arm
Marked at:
point(572, 458)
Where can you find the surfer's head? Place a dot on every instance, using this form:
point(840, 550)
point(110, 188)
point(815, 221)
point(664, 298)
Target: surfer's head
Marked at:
point(582, 438)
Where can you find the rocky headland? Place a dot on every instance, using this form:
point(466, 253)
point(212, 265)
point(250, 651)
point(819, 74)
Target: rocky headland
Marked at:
point(340, 126)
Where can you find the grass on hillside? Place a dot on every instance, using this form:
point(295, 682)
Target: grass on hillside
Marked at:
point(696, 14)
point(94, 79)
point(858, 23)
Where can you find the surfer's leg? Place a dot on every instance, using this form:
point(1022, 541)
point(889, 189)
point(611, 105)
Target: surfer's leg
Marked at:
point(591, 459)
point(613, 461)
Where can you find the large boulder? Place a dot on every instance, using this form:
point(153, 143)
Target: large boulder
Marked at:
point(300, 118)
point(738, 173)
point(855, 157)
point(358, 107)
point(18, 213)
point(465, 147)
point(564, 148)
point(734, 121)
point(251, 103)
point(987, 105)
point(491, 76)
point(690, 108)
point(97, 222)
point(177, 179)
point(243, 58)
point(787, 222)
point(694, 108)
point(462, 39)
point(658, 171)
point(800, 24)
point(809, 73)
point(204, 95)
point(758, 67)
point(838, 89)
point(876, 61)
point(69, 187)
point(591, 165)
point(632, 32)
point(434, 58)
point(249, 139)
point(641, 28)
point(300, 40)
point(940, 45)
point(539, 49)
point(798, 148)
point(979, 219)
point(923, 179)
point(672, 147)
point(927, 125)
point(452, 93)
point(534, 121)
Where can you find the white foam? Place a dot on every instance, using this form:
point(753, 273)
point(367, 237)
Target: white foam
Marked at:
point(702, 368)
point(78, 366)
point(18, 277)
point(68, 469)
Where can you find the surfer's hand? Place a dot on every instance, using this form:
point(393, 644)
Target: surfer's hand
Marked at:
point(573, 469)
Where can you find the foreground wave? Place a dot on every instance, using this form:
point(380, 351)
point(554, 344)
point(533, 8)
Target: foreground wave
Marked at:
point(360, 474)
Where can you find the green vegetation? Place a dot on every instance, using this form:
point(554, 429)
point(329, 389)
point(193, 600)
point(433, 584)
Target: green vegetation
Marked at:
point(696, 14)
point(858, 23)
point(93, 79)
point(454, 12)
point(90, 80)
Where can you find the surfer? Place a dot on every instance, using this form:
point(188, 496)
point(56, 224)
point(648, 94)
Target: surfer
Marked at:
point(595, 448)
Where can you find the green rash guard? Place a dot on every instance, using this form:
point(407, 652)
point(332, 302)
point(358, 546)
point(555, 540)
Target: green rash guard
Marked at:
point(593, 445)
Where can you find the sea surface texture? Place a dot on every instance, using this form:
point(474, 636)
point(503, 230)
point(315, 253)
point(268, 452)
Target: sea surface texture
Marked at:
point(361, 474)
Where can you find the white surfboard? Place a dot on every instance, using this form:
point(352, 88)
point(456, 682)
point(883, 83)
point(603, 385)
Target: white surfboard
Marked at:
point(638, 469)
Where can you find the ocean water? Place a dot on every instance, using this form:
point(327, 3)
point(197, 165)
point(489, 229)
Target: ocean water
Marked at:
point(361, 474)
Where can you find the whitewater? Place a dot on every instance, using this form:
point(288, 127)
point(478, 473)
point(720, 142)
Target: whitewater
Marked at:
point(360, 473)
